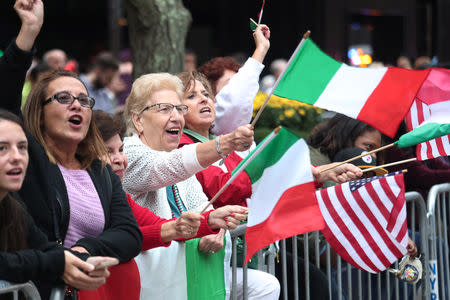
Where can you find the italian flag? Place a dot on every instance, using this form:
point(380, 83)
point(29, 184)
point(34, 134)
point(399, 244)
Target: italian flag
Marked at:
point(283, 202)
point(379, 97)
point(429, 117)
point(181, 271)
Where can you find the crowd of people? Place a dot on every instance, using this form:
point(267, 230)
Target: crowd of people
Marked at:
point(102, 179)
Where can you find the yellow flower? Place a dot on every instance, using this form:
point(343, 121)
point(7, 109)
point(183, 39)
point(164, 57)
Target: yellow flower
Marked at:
point(302, 112)
point(289, 112)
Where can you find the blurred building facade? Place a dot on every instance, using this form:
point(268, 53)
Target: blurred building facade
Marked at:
point(391, 27)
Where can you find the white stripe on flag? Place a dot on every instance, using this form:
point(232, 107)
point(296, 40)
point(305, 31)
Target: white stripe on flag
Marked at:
point(437, 112)
point(383, 197)
point(296, 156)
point(351, 225)
point(366, 221)
point(393, 186)
point(431, 143)
point(360, 232)
point(446, 143)
point(339, 236)
point(414, 114)
point(398, 224)
point(360, 81)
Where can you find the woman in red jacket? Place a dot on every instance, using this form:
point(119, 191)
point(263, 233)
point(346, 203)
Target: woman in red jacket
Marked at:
point(156, 231)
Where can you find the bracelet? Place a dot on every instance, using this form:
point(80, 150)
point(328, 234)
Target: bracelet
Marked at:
point(217, 140)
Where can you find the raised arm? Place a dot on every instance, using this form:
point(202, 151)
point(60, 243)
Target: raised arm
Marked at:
point(31, 14)
point(18, 56)
point(149, 170)
point(234, 105)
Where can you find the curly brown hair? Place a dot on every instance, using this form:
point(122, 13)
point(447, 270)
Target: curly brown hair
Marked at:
point(214, 69)
point(107, 125)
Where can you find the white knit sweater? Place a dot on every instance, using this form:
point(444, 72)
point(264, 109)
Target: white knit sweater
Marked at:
point(150, 171)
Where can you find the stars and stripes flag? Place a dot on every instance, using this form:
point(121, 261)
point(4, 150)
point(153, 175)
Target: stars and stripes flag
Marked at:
point(366, 220)
point(431, 108)
point(440, 146)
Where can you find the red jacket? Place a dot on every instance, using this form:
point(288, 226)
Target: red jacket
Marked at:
point(214, 177)
point(150, 225)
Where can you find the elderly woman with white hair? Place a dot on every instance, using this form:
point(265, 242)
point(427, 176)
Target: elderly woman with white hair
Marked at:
point(161, 177)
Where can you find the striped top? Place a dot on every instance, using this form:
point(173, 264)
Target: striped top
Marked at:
point(87, 218)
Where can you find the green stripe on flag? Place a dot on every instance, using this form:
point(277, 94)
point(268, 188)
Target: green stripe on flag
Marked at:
point(308, 75)
point(204, 273)
point(270, 154)
point(422, 134)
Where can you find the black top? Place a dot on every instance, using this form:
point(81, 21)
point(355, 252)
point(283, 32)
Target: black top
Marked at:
point(42, 259)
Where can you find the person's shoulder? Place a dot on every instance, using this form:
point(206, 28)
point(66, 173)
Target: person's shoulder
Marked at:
point(185, 140)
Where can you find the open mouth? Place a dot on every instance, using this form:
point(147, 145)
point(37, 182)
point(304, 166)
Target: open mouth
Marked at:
point(76, 120)
point(173, 131)
point(14, 172)
point(205, 110)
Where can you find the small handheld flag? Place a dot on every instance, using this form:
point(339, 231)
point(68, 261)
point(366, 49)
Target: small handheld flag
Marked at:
point(253, 24)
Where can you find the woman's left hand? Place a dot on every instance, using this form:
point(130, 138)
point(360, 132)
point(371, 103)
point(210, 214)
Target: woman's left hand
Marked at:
point(340, 174)
point(412, 248)
point(211, 243)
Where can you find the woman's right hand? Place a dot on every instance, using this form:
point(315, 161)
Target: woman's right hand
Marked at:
point(262, 43)
point(238, 140)
point(31, 14)
point(75, 273)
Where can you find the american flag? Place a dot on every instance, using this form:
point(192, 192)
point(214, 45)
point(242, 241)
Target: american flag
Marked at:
point(366, 220)
point(419, 113)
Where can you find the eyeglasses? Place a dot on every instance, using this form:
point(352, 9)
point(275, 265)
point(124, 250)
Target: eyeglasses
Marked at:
point(167, 108)
point(68, 98)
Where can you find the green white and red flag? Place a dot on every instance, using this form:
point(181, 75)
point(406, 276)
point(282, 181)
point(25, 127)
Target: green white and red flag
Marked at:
point(283, 201)
point(379, 97)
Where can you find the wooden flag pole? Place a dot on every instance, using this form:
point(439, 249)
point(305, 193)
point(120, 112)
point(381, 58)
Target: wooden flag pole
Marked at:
point(236, 172)
point(356, 157)
point(390, 164)
point(305, 36)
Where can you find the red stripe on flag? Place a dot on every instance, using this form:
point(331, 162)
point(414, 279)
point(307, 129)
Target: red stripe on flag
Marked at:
point(429, 150)
point(362, 228)
point(440, 147)
point(408, 118)
point(333, 239)
point(376, 199)
point(398, 205)
point(420, 115)
point(347, 233)
point(390, 101)
point(296, 212)
point(378, 227)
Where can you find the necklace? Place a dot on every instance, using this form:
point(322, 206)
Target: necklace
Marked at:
point(175, 202)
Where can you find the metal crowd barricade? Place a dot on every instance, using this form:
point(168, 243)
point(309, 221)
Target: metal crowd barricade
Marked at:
point(345, 282)
point(438, 221)
point(28, 289)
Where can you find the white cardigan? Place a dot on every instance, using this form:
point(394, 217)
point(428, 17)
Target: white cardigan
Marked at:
point(150, 171)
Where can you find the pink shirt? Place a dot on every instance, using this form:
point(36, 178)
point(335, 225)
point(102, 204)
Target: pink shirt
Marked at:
point(87, 218)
